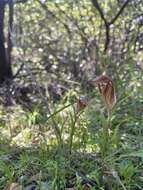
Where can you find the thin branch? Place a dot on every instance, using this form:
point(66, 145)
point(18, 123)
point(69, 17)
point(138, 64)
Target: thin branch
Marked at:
point(19, 70)
point(119, 12)
point(106, 23)
point(16, 1)
point(97, 6)
point(107, 40)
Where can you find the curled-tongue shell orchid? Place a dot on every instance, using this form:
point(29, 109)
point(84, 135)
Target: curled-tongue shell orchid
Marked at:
point(82, 103)
point(107, 90)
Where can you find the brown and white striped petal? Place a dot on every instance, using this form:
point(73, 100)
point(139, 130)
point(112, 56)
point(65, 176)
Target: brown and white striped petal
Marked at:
point(107, 90)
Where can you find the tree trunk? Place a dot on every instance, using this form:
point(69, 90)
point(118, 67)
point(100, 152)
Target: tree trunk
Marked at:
point(10, 31)
point(5, 64)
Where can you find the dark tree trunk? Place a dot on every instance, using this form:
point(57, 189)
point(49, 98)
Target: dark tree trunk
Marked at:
point(5, 64)
point(10, 31)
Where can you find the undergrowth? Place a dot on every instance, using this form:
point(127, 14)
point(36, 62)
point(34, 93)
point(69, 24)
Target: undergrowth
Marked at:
point(96, 150)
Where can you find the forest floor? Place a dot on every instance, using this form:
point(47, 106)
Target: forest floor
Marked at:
point(92, 151)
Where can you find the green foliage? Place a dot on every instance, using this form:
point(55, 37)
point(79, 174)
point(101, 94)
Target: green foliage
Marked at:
point(62, 43)
point(49, 165)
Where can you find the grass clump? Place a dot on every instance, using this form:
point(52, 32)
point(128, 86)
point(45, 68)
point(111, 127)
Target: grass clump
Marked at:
point(99, 146)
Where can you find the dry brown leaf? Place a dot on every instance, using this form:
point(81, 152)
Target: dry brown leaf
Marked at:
point(13, 186)
point(38, 176)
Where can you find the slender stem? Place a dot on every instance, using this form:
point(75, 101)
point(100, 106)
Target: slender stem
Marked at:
point(73, 124)
point(106, 134)
point(56, 112)
point(109, 118)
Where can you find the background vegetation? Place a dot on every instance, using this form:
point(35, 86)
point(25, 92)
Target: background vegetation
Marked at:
point(56, 132)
